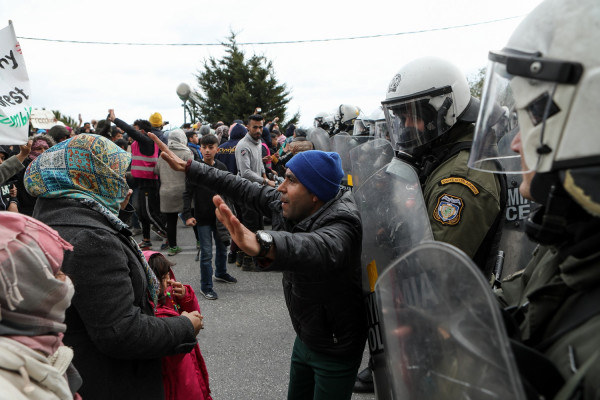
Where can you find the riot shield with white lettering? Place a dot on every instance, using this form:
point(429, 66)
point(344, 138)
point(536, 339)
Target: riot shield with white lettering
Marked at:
point(515, 245)
point(442, 330)
point(394, 219)
point(368, 158)
point(319, 138)
point(342, 144)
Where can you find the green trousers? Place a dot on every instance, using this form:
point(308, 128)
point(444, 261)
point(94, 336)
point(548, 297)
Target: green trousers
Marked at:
point(318, 376)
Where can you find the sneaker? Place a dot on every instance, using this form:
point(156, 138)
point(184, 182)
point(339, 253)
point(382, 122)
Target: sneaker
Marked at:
point(225, 278)
point(210, 294)
point(249, 265)
point(197, 245)
point(231, 258)
point(136, 231)
point(174, 250)
point(165, 245)
point(145, 245)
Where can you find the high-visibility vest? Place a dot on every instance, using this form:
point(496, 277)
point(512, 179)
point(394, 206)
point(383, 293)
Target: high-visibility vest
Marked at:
point(142, 166)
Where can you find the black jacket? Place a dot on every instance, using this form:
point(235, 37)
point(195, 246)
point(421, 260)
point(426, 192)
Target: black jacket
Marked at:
point(202, 205)
point(320, 260)
point(118, 343)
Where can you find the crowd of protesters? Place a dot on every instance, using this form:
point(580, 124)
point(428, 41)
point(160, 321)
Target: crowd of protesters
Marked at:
point(97, 187)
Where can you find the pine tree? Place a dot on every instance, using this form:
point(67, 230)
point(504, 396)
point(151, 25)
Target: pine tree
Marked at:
point(476, 83)
point(232, 87)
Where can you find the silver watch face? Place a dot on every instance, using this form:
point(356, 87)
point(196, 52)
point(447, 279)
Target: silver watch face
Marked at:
point(265, 237)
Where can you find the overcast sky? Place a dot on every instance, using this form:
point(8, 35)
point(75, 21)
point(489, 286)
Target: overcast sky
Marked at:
point(139, 80)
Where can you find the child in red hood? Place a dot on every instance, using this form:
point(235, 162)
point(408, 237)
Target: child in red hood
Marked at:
point(184, 375)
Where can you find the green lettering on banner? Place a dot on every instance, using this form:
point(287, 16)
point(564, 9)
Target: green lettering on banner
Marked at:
point(17, 120)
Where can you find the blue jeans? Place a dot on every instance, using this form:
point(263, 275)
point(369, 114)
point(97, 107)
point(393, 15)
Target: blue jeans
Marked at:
point(205, 236)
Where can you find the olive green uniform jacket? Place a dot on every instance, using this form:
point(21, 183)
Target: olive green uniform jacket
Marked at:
point(462, 203)
point(545, 292)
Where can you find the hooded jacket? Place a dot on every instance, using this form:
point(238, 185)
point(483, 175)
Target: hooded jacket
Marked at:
point(320, 260)
point(226, 152)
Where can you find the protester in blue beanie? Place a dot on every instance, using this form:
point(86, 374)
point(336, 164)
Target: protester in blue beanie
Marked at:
point(315, 240)
point(321, 172)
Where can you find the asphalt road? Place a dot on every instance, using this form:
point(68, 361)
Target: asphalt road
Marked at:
point(248, 336)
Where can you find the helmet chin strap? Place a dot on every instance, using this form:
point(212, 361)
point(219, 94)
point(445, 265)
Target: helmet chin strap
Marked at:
point(548, 225)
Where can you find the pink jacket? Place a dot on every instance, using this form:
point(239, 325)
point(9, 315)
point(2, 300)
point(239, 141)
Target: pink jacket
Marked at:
point(184, 375)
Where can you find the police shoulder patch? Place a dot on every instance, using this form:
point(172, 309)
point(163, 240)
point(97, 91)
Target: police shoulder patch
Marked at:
point(448, 209)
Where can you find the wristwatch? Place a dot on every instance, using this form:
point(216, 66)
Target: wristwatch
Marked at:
point(265, 240)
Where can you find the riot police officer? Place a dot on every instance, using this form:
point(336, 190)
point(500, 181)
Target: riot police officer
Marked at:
point(324, 120)
point(344, 118)
point(549, 74)
point(430, 114)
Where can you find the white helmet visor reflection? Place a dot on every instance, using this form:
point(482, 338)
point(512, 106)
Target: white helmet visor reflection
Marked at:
point(517, 103)
point(497, 125)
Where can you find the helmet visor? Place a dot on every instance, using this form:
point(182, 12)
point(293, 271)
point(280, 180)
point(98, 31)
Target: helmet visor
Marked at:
point(497, 125)
point(415, 122)
point(512, 103)
point(360, 128)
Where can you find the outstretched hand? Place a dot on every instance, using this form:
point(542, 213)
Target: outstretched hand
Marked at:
point(242, 236)
point(174, 162)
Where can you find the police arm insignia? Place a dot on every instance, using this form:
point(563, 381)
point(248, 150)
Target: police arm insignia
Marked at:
point(462, 181)
point(448, 209)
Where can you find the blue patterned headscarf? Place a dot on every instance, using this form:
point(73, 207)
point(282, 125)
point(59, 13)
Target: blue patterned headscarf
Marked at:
point(91, 169)
point(84, 167)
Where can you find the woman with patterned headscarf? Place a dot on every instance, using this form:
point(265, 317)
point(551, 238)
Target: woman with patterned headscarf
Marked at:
point(34, 295)
point(118, 342)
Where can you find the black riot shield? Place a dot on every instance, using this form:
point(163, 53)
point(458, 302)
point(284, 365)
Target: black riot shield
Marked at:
point(342, 144)
point(394, 220)
point(442, 329)
point(367, 158)
point(319, 138)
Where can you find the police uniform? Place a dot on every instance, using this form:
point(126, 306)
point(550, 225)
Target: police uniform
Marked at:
point(463, 204)
point(554, 288)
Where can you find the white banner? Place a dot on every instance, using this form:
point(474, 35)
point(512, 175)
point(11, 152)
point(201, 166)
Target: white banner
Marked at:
point(15, 93)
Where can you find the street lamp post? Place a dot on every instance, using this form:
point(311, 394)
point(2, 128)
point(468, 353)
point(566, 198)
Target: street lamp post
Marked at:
point(184, 91)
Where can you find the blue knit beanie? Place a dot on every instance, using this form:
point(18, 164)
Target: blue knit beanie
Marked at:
point(319, 171)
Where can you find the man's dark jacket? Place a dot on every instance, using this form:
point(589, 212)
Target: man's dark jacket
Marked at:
point(319, 257)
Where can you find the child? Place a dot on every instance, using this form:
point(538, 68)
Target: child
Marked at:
point(184, 375)
point(205, 222)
